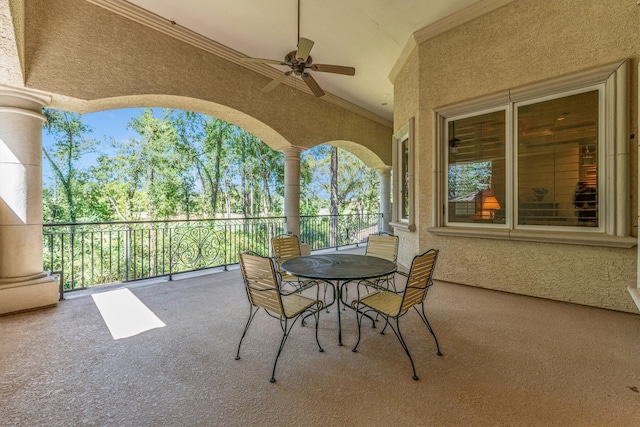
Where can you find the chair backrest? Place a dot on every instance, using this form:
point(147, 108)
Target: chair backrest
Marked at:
point(285, 248)
point(420, 279)
point(383, 246)
point(261, 282)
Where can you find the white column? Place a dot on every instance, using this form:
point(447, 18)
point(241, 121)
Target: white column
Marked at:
point(385, 198)
point(23, 283)
point(292, 189)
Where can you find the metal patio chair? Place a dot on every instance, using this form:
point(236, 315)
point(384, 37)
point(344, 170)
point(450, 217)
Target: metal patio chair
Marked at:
point(392, 305)
point(384, 245)
point(285, 248)
point(264, 291)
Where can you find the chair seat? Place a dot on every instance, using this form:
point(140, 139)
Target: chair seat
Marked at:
point(295, 304)
point(383, 301)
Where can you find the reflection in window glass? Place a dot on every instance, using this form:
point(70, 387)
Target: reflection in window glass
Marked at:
point(476, 169)
point(558, 161)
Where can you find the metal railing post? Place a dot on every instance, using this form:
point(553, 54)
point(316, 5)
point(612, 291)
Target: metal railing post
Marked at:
point(60, 275)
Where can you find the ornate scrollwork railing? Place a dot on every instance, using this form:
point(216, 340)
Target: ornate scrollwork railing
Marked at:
point(90, 254)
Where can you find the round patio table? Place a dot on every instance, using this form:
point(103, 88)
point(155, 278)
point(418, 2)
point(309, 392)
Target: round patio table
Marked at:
point(339, 269)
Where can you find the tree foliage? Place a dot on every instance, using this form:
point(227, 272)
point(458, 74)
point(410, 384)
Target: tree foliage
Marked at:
point(182, 165)
point(70, 144)
point(468, 178)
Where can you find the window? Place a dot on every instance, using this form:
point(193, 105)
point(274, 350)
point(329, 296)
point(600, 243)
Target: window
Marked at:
point(403, 184)
point(476, 168)
point(557, 148)
point(528, 163)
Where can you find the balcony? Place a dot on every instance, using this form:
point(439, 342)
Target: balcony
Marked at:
point(84, 255)
point(508, 360)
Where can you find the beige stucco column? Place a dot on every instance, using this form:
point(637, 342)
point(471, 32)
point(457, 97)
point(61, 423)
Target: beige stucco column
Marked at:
point(23, 283)
point(385, 198)
point(292, 189)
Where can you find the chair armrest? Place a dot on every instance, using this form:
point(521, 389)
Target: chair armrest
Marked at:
point(307, 284)
point(369, 284)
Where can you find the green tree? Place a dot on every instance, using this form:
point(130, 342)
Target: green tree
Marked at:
point(158, 164)
point(349, 184)
point(259, 170)
point(70, 144)
point(468, 178)
point(204, 141)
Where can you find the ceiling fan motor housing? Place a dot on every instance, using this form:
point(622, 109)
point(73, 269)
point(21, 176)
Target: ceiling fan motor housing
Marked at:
point(296, 65)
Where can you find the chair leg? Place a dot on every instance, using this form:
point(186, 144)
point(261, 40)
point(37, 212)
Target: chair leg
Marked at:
point(385, 326)
point(324, 297)
point(423, 316)
point(318, 299)
point(345, 296)
point(396, 330)
point(285, 335)
point(252, 313)
point(359, 315)
point(317, 315)
point(392, 280)
point(287, 329)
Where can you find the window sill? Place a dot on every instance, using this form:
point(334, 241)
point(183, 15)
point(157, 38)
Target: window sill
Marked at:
point(635, 294)
point(568, 238)
point(405, 226)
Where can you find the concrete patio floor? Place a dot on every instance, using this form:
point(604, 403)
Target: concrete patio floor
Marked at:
point(508, 360)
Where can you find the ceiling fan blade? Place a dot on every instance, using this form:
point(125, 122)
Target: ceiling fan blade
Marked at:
point(337, 69)
point(313, 85)
point(264, 61)
point(304, 49)
point(275, 82)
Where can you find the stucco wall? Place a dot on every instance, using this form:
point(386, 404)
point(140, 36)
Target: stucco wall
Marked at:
point(82, 52)
point(524, 42)
point(10, 43)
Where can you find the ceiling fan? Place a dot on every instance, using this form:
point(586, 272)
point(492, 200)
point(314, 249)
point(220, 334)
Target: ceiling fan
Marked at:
point(301, 63)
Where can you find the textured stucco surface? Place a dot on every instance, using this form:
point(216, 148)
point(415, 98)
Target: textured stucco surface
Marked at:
point(10, 43)
point(96, 59)
point(522, 43)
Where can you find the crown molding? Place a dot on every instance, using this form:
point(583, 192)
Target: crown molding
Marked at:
point(465, 15)
point(408, 49)
point(461, 17)
point(167, 27)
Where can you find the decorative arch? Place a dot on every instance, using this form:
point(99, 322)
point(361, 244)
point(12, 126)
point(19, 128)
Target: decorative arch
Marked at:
point(267, 134)
point(368, 157)
point(261, 130)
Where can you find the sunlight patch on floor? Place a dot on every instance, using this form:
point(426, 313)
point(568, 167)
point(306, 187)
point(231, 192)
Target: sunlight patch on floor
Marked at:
point(124, 314)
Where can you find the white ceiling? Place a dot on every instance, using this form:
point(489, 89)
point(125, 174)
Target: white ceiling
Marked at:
point(366, 34)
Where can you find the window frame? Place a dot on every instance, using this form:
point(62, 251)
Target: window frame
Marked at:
point(405, 133)
point(601, 164)
point(615, 230)
point(508, 167)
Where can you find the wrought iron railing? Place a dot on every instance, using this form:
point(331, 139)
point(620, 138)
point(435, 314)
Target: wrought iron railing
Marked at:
point(331, 231)
point(90, 254)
